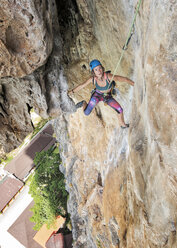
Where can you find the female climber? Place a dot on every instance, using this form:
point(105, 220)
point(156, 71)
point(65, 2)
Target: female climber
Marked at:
point(102, 92)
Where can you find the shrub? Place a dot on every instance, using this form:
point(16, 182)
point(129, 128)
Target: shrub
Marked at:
point(48, 189)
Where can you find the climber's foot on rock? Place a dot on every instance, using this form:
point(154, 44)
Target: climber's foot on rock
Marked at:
point(79, 104)
point(126, 126)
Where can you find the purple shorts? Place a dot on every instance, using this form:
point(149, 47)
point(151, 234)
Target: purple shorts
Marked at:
point(97, 97)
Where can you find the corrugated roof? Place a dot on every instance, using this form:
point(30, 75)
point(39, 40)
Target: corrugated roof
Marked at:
point(44, 233)
point(58, 240)
point(22, 229)
point(9, 187)
point(22, 164)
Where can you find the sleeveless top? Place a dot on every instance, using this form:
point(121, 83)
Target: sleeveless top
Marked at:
point(106, 87)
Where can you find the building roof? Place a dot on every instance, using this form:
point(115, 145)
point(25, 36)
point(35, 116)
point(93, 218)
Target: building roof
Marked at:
point(44, 233)
point(55, 241)
point(68, 240)
point(9, 187)
point(22, 164)
point(58, 240)
point(22, 229)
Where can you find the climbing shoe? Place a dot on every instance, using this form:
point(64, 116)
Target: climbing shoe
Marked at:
point(123, 127)
point(115, 92)
point(79, 104)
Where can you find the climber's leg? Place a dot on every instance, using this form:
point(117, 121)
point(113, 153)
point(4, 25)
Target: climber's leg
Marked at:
point(116, 106)
point(94, 100)
point(121, 121)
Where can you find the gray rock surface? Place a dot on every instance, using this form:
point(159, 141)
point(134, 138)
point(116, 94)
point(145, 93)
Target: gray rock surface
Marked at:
point(26, 37)
point(17, 97)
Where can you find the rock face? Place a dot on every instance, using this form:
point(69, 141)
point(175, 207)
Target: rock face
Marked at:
point(26, 41)
point(122, 183)
point(29, 32)
point(26, 37)
point(17, 97)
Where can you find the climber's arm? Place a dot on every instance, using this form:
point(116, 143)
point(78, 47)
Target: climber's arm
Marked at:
point(121, 79)
point(80, 86)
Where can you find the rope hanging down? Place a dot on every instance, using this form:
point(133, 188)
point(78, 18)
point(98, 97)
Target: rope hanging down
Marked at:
point(131, 31)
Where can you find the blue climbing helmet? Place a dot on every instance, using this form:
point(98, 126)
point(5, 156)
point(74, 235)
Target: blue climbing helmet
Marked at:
point(94, 63)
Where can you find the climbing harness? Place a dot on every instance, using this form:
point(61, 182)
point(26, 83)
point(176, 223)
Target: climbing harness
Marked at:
point(109, 85)
point(130, 33)
point(106, 98)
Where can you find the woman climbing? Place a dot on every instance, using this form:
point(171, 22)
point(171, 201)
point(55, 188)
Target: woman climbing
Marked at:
point(102, 92)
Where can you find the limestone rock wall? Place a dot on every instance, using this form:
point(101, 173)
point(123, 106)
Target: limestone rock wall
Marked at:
point(122, 184)
point(17, 97)
point(30, 68)
point(152, 137)
point(26, 37)
point(26, 41)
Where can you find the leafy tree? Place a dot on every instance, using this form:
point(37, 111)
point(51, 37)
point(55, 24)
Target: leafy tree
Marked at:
point(48, 189)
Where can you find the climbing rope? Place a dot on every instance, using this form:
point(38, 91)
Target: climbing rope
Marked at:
point(130, 33)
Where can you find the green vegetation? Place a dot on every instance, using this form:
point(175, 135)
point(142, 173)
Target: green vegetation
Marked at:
point(48, 189)
point(39, 127)
point(29, 179)
point(7, 159)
